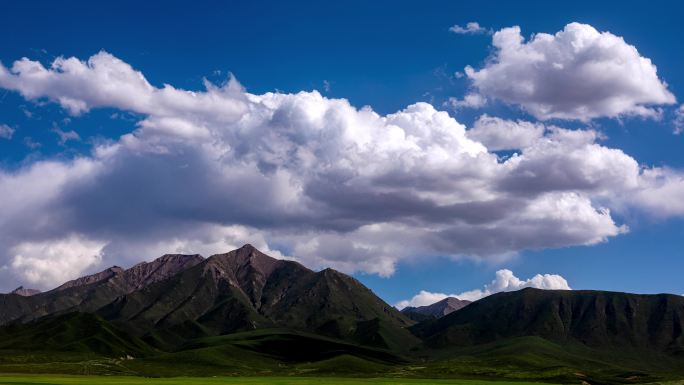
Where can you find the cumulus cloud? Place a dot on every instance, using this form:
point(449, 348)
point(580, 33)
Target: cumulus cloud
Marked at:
point(6, 132)
point(423, 298)
point(471, 28)
point(54, 261)
point(658, 192)
point(578, 73)
point(505, 280)
point(328, 183)
point(501, 134)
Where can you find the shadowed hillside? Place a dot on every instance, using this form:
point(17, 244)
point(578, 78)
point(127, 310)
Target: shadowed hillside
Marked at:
point(592, 318)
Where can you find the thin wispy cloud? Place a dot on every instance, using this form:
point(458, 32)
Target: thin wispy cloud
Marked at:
point(6, 132)
point(471, 28)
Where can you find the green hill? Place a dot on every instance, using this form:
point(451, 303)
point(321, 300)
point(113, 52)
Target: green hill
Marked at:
point(592, 318)
point(74, 332)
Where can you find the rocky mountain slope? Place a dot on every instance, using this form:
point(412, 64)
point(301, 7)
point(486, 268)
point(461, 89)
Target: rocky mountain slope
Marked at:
point(89, 293)
point(436, 310)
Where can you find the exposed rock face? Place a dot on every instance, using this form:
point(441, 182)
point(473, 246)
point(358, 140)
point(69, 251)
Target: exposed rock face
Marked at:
point(25, 292)
point(168, 265)
point(436, 310)
point(90, 279)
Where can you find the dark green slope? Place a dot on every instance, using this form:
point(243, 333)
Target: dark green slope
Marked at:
point(564, 336)
point(332, 303)
point(269, 352)
point(75, 333)
point(592, 318)
point(79, 343)
point(538, 359)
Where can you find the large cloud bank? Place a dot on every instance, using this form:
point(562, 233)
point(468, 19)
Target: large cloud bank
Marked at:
point(302, 175)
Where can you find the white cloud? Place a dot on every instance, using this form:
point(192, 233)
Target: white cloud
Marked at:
point(6, 132)
point(106, 81)
point(500, 134)
point(30, 143)
point(65, 136)
point(51, 262)
point(679, 120)
point(331, 184)
point(423, 298)
point(471, 28)
point(505, 280)
point(658, 193)
point(470, 100)
point(578, 73)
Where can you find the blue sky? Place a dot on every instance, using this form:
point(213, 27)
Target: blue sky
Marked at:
point(386, 55)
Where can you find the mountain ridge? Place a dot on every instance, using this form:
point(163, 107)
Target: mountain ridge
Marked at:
point(436, 310)
point(90, 292)
point(589, 317)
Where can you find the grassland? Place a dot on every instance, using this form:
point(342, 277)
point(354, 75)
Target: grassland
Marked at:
point(266, 354)
point(104, 380)
point(288, 356)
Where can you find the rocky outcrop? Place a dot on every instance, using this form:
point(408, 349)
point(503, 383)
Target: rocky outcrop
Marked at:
point(25, 292)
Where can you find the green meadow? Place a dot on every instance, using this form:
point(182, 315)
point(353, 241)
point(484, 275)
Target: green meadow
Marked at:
point(107, 380)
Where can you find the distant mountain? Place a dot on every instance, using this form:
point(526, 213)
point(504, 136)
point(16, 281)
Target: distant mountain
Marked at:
point(436, 310)
point(25, 292)
point(596, 319)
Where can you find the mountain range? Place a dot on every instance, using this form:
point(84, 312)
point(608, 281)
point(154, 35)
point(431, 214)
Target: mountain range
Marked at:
point(244, 312)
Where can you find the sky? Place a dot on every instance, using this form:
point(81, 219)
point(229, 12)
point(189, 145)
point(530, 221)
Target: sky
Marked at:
point(428, 148)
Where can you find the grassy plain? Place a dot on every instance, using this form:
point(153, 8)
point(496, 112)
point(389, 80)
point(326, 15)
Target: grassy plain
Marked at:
point(107, 380)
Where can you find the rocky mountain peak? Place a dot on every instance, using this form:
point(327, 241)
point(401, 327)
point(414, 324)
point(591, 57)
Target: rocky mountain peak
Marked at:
point(436, 310)
point(246, 258)
point(93, 278)
point(25, 292)
point(166, 266)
